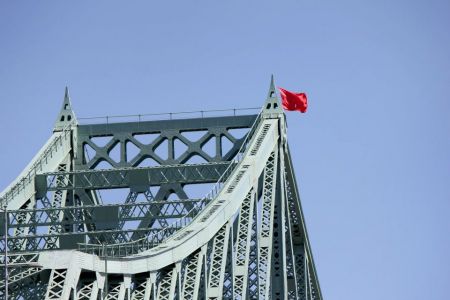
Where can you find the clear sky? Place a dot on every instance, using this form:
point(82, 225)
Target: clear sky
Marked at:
point(372, 154)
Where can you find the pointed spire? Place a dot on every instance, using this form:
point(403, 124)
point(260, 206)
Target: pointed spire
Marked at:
point(66, 116)
point(271, 88)
point(66, 94)
point(272, 104)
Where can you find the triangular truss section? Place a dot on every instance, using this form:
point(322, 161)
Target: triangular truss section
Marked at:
point(135, 231)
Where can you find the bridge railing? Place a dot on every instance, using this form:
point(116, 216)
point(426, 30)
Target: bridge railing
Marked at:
point(37, 165)
point(155, 239)
point(166, 116)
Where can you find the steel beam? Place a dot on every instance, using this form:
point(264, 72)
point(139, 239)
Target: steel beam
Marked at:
point(138, 179)
point(245, 239)
point(132, 212)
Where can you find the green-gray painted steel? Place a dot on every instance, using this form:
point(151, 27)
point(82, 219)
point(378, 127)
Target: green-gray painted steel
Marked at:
point(245, 239)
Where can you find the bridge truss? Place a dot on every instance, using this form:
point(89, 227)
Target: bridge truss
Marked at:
point(107, 211)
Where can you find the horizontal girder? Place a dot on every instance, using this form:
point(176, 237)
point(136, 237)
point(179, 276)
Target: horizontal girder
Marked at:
point(126, 212)
point(77, 240)
point(166, 142)
point(245, 240)
point(138, 179)
point(103, 229)
point(194, 124)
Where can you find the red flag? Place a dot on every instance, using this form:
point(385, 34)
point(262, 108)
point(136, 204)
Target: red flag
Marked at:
point(293, 101)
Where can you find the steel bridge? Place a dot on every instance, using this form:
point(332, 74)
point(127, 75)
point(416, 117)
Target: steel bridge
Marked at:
point(108, 211)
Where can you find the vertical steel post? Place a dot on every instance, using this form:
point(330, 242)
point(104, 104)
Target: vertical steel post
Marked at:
point(6, 251)
point(105, 254)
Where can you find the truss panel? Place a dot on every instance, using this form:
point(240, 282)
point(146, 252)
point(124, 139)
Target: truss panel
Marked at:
point(245, 239)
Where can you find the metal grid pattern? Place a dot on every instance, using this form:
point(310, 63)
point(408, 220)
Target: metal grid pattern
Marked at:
point(259, 251)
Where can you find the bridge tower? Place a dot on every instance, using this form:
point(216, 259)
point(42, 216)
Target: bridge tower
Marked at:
point(182, 207)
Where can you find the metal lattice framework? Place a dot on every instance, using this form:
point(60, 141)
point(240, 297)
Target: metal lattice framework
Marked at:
point(112, 211)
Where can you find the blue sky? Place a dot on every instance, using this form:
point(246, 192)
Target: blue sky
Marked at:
point(371, 154)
